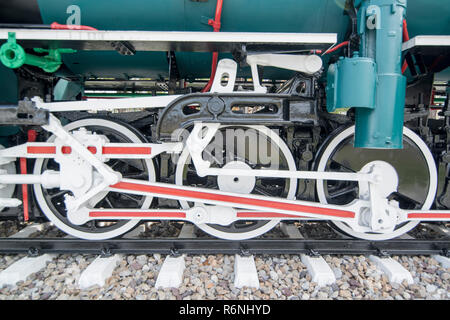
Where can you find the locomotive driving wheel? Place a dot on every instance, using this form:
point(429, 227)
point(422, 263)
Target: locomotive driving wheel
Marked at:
point(51, 201)
point(414, 164)
point(224, 152)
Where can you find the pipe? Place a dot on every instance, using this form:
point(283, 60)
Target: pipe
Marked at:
point(54, 25)
point(57, 26)
point(336, 47)
point(405, 38)
point(216, 28)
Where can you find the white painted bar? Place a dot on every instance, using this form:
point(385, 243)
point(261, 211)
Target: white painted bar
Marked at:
point(426, 41)
point(319, 270)
point(171, 273)
point(395, 272)
point(444, 261)
point(21, 269)
point(245, 274)
point(98, 271)
point(168, 40)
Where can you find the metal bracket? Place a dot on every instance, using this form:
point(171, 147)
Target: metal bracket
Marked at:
point(382, 253)
point(174, 252)
point(124, 48)
point(309, 64)
point(25, 113)
point(33, 252)
point(244, 251)
point(106, 252)
point(313, 253)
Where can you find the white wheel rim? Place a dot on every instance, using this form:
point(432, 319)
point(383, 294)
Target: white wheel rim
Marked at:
point(68, 229)
point(428, 200)
point(8, 190)
point(266, 227)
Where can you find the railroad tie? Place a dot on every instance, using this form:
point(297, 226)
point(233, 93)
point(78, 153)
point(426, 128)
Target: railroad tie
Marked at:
point(22, 268)
point(171, 273)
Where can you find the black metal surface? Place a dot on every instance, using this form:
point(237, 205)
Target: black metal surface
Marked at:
point(124, 48)
point(215, 246)
point(278, 109)
point(25, 113)
point(20, 12)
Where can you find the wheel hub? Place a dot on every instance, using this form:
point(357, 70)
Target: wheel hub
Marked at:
point(386, 179)
point(240, 184)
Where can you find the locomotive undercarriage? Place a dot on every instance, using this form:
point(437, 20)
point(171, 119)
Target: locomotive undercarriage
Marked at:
point(233, 163)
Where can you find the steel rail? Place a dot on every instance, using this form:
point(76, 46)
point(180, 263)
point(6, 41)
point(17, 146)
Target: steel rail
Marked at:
point(177, 246)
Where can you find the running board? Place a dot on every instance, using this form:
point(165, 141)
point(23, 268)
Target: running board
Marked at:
point(172, 40)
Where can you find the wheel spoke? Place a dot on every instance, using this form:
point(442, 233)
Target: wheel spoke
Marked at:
point(334, 162)
point(58, 194)
point(109, 202)
point(343, 191)
point(261, 191)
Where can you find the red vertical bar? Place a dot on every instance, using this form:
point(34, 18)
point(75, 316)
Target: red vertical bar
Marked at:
point(32, 136)
point(23, 170)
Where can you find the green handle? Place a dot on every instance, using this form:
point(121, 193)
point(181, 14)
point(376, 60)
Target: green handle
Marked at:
point(12, 55)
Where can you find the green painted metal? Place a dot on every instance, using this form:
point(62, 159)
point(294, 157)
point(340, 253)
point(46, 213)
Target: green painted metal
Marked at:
point(380, 27)
point(424, 17)
point(12, 55)
point(9, 94)
point(8, 82)
point(186, 15)
point(351, 83)
point(66, 90)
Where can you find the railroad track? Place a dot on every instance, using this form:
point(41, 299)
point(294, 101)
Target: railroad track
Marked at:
point(35, 254)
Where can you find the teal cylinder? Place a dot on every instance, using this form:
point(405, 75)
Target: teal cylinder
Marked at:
point(380, 26)
point(321, 16)
point(351, 83)
point(382, 127)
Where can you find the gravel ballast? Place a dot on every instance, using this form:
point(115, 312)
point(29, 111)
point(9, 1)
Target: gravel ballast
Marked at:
point(282, 277)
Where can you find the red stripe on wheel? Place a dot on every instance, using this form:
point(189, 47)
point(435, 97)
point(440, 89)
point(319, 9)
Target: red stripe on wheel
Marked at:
point(41, 150)
point(130, 214)
point(428, 215)
point(127, 150)
point(233, 199)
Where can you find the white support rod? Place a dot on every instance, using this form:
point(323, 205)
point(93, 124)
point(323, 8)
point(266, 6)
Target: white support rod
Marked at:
point(106, 104)
point(20, 179)
point(48, 179)
point(179, 214)
point(345, 176)
point(198, 214)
